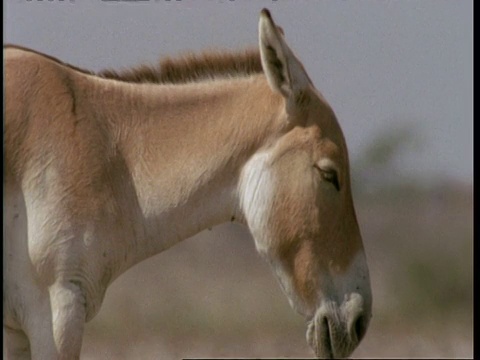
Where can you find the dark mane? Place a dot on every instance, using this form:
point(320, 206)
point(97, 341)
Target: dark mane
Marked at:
point(192, 67)
point(188, 68)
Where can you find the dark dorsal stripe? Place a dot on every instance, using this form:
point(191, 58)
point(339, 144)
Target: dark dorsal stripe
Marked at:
point(188, 68)
point(11, 46)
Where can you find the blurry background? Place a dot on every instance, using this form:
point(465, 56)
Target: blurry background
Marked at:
point(400, 78)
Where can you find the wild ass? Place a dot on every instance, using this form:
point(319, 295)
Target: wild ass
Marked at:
point(101, 174)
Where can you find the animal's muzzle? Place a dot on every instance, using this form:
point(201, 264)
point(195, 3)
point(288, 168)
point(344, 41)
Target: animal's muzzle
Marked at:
point(335, 331)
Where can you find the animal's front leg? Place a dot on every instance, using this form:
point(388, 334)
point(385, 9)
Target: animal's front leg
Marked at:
point(68, 315)
point(15, 344)
point(67, 304)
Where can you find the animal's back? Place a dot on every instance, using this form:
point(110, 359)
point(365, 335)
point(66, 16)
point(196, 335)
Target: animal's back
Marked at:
point(55, 162)
point(19, 74)
point(36, 97)
point(57, 178)
point(50, 135)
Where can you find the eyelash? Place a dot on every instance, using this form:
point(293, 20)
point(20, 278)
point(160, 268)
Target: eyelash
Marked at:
point(329, 175)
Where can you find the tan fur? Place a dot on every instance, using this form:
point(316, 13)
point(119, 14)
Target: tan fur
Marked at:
point(190, 67)
point(105, 170)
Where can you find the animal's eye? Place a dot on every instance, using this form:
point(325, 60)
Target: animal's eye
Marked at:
point(329, 175)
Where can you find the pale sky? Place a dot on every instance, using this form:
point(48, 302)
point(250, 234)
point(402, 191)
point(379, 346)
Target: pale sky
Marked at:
point(382, 65)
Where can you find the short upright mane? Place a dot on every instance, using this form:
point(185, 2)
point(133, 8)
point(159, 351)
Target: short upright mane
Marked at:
point(192, 68)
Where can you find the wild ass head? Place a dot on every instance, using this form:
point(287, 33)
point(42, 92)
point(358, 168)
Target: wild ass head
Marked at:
point(297, 202)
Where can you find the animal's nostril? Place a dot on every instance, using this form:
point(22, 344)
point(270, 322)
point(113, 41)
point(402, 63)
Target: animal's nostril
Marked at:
point(325, 338)
point(360, 327)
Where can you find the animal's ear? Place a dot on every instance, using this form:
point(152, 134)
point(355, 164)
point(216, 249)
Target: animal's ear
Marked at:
point(284, 72)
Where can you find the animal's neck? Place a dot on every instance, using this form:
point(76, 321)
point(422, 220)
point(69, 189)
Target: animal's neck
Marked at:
point(185, 147)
